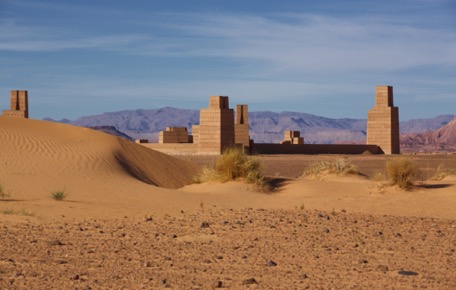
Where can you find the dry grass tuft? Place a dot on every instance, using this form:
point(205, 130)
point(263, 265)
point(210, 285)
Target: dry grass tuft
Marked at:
point(59, 195)
point(234, 164)
point(441, 172)
point(15, 212)
point(379, 176)
point(339, 167)
point(401, 172)
point(3, 193)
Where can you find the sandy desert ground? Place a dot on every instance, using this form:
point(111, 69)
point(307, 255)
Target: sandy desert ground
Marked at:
point(133, 220)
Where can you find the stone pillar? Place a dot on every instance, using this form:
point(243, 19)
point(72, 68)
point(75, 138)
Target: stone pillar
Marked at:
point(383, 122)
point(241, 127)
point(18, 104)
point(216, 128)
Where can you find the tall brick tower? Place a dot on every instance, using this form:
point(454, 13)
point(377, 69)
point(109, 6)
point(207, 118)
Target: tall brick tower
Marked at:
point(18, 105)
point(241, 126)
point(383, 122)
point(216, 128)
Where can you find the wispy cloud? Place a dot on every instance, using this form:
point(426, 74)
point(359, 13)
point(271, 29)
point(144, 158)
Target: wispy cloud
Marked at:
point(285, 42)
point(317, 42)
point(21, 38)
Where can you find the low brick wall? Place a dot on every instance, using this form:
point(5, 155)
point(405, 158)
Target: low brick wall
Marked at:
point(314, 149)
point(192, 148)
point(174, 148)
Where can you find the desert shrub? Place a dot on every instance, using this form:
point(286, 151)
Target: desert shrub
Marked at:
point(3, 193)
point(206, 174)
point(15, 212)
point(379, 176)
point(339, 167)
point(7, 211)
point(441, 172)
point(401, 172)
point(59, 195)
point(234, 164)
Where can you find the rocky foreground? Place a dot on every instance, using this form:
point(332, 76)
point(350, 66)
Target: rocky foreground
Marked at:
point(223, 248)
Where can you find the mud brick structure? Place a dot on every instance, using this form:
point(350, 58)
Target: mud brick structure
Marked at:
point(212, 136)
point(141, 141)
point(219, 130)
point(216, 128)
point(241, 126)
point(292, 137)
point(174, 135)
point(18, 105)
point(383, 122)
point(195, 134)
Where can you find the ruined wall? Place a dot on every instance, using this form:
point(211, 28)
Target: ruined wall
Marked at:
point(18, 104)
point(195, 133)
point(383, 122)
point(292, 137)
point(9, 113)
point(216, 128)
point(241, 126)
point(314, 149)
point(140, 141)
point(174, 148)
point(174, 135)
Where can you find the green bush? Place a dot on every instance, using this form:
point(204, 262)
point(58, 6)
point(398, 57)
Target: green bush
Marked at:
point(59, 195)
point(401, 172)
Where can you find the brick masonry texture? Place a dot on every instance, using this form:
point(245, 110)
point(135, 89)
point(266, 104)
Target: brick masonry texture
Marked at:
point(18, 104)
point(383, 122)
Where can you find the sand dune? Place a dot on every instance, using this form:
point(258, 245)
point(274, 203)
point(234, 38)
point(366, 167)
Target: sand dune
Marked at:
point(38, 157)
point(52, 151)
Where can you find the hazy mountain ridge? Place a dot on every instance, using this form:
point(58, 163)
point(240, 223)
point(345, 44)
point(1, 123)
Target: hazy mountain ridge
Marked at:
point(265, 126)
point(112, 131)
point(423, 125)
point(442, 139)
point(142, 124)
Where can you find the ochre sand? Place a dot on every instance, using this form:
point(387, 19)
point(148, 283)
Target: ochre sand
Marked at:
point(341, 232)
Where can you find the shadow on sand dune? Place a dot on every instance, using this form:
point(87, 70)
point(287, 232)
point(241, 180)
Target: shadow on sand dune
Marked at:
point(276, 183)
point(133, 170)
point(435, 186)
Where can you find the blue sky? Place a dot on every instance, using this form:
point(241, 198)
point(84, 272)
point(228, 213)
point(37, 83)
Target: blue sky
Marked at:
point(79, 58)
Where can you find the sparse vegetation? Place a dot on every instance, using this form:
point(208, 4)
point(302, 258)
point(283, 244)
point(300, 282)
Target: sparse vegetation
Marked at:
point(379, 176)
point(401, 172)
point(7, 211)
point(59, 195)
point(441, 172)
point(148, 218)
point(14, 212)
point(234, 164)
point(339, 167)
point(3, 193)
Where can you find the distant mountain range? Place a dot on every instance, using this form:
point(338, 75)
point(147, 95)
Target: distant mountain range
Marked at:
point(442, 139)
point(112, 131)
point(265, 126)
